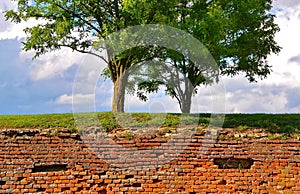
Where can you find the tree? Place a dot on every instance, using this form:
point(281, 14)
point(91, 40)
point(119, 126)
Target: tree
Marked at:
point(238, 34)
point(80, 24)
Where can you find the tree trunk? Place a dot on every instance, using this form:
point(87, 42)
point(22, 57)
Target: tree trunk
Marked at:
point(119, 77)
point(119, 94)
point(186, 99)
point(185, 104)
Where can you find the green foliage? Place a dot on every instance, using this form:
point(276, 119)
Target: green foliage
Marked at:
point(278, 136)
point(289, 129)
point(222, 137)
point(242, 128)
point(273, 128)
point(129, 135)
point(38, 121)
point(238, 34)
point(274, 123)
point(240, 167)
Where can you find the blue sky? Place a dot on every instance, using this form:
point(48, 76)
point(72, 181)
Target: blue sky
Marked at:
point(45, 85)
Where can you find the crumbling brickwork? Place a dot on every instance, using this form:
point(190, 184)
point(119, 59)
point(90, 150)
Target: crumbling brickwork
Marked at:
point(37, 163)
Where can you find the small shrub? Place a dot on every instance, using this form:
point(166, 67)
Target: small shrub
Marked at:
point(288, 129)
point(222, 137)
point(241, 128)
point(273, 128)
point(108, 125)
point(240, 167)
point(204, 121)
point(277, 136)
point(237, 138)
point(128, 135)
point(72, 129)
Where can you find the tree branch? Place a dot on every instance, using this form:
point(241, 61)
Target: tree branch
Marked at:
point(78, 16)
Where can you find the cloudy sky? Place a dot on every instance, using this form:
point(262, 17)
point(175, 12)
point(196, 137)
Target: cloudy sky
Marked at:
point(46, 85)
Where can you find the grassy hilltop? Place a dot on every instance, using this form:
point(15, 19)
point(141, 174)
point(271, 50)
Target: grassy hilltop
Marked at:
point(273, 123)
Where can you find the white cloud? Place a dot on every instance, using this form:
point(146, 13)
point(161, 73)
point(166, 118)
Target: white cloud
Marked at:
point(262, 96)
point(5, 25)
point(8, 4)
point(288, 38)
point(78, 99)
point(256, 100)
point(10, 30)
point(284, 4)
point(52, 64)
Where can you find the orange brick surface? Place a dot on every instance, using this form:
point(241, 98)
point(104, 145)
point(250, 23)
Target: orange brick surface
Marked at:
point(275, 169)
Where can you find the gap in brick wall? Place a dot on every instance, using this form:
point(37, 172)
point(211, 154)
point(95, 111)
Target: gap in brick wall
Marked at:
point(41, 190)
point(155, 181)
point(20, 178)
point(223, 182)
point(102, 173)
point(2, 182)
point(14, 133)
point(233, 163)
point(65, 189)
point(133, 185)
point(262, 182)
point(103, 192)
point(129, 176)
point(50, 168)
point(136, 184)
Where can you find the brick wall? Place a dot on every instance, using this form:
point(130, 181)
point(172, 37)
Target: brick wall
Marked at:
point(38, 163)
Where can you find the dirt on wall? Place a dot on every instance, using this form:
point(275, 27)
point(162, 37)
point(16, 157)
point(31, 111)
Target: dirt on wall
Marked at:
point(32, 162)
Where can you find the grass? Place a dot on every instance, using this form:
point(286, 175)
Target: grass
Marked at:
point(274, 123)
point(46, 121)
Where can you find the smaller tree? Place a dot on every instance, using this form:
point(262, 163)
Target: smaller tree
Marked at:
point(175, 73)
point(238, 34)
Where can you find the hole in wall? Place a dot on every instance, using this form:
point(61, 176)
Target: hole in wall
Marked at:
point(129, 176)
point(136, 184)
point(133, 185)
point(154, 181)
point(2, 182)
point(262, 182)
point(234, 163)
point(222, 182)
point(65, 189)
point(40, 190)
point(103, 191)
point(102, 173)
point(20, 178)
point(14, 133)
point(50, 168)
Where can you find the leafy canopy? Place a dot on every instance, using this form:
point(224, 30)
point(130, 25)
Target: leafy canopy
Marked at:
point(238, 34)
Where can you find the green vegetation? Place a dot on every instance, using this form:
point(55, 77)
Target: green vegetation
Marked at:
point(129, 135)
point(38, 121)
point(273, 123)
